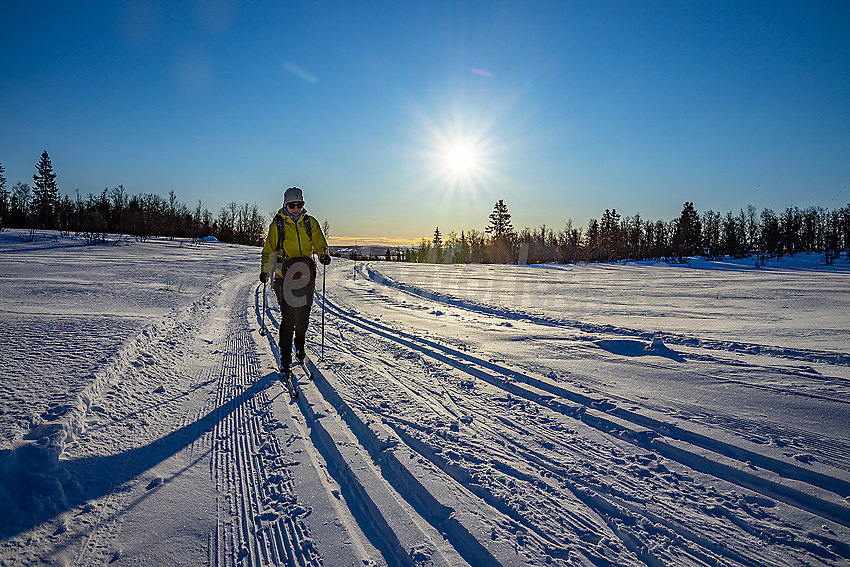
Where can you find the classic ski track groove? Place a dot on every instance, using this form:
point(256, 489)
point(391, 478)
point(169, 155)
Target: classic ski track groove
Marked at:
point(635, 433)
point(370, 514)
point(603, 512)
point(601, 507)
point(661, 428)
point(830, 446)
point(258, 522)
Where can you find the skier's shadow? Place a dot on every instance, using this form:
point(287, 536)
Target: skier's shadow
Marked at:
point(638, 348)
point(35, 487)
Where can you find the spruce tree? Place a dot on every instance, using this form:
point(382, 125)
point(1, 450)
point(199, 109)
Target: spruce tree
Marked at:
point(502, 232)
point(45, 192)
point(4, 199)
point(500, 222)
point(462, 256)
point(440, 254)
point(687, 236)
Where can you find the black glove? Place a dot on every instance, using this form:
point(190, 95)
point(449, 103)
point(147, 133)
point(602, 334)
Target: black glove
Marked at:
point(264, 277)
point(325, 259)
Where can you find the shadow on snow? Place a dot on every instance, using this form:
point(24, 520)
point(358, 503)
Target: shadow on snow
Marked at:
point(638, 348)
point(35, 486)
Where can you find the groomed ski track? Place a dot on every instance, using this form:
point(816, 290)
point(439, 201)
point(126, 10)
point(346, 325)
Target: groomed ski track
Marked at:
point(418, 445)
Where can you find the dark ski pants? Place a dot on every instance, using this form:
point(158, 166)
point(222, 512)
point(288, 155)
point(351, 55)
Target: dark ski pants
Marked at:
point(294, 320)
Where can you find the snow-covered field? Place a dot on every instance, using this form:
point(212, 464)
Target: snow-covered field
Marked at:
point(461, 415)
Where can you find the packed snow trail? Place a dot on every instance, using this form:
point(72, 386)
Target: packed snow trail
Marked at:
point(248, 452)
point(442, 430)
point(189, 459)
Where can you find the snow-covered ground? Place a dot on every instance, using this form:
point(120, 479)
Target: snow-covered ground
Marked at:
point(629, 414)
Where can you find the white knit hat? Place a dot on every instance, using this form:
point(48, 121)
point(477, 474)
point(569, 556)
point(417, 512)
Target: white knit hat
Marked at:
point(292, 195)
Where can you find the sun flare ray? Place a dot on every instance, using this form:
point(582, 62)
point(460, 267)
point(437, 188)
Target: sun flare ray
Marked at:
point(458, 151)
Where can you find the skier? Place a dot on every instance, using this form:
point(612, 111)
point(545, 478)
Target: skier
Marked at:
point(293, 237)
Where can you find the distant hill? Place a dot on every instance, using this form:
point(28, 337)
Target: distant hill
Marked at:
point(362, 251)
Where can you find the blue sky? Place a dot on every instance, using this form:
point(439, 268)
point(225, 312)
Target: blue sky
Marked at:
point(398, 117)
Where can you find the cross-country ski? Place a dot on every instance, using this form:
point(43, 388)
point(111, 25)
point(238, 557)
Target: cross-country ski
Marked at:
point(304, 364)
point(288, 380)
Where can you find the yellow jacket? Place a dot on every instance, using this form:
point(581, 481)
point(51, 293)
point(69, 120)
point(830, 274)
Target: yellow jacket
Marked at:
point(295, 241)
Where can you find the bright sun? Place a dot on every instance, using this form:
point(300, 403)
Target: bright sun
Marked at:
point(458, 152)
point(461, 160)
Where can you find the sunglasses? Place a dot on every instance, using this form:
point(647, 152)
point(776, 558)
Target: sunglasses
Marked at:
point(295, 205)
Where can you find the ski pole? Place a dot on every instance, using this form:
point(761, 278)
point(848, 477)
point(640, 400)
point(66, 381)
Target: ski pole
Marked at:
point(263, 328)
point(324, 299)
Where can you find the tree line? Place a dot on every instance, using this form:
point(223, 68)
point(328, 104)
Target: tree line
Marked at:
point(761, 235)
point(115, 211)
point(749, 233)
